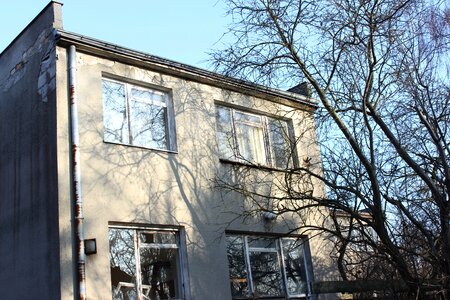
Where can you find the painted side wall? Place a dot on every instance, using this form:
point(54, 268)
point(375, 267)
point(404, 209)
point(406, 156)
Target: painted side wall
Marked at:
point(29, 240)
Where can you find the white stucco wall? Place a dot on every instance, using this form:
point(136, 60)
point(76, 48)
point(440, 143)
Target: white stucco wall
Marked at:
point(134, 185)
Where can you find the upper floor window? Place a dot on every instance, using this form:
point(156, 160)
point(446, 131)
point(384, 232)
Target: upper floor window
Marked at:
point(137, 116)
point(267, 267)
point(146, 263)
point(254, 138)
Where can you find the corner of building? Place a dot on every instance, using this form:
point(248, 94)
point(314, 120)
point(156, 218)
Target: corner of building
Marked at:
point(29, 252)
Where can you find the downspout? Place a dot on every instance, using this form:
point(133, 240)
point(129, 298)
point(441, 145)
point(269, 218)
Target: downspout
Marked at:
point(77, 200)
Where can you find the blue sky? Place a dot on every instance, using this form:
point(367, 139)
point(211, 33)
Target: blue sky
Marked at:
point(180, 30)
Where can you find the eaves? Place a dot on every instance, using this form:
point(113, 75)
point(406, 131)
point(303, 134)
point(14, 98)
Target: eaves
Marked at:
point(140, 59)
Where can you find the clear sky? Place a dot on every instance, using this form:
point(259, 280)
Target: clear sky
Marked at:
point(180, 30)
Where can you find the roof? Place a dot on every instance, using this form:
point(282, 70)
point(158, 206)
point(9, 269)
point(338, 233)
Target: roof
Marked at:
point(126, 55)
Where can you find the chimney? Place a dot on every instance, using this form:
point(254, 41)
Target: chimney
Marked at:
point(301, 89)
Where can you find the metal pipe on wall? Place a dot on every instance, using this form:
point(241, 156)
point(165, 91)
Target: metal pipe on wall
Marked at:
point(77, 199)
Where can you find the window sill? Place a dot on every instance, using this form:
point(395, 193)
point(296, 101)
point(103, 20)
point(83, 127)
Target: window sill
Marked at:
point(256, 166)
point(141, 147)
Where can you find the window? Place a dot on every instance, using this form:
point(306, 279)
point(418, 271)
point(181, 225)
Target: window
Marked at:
point(145, 264)
point(253, 138)
point(137, 116)
point(266, 267)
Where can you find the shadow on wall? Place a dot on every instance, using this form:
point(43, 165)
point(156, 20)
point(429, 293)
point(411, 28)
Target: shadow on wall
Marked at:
point(136, 185)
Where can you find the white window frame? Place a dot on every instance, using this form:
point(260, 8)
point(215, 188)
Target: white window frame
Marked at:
point(267, 140)
point(180, 245)
point(169, 121)
point(278, 249)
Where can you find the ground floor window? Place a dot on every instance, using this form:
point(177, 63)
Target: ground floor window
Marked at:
point(146, 263)
point(267, 267)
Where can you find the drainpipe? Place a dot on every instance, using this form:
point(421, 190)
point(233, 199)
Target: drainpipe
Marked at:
point(77, 200)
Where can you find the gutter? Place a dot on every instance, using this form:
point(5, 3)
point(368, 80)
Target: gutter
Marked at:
point(77, 200)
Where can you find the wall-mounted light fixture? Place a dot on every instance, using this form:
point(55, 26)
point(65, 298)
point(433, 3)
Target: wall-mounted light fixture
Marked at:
point(90, 246)
point(269, 216)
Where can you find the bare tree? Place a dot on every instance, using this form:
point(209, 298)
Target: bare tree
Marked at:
point(380, 70)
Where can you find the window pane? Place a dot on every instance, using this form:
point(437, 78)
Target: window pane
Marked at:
point(224, 132)
point(250, 142)
point(162, 237)
point(135, 116)
point(148, 123)
point(236, 262)
point(149, 96)
point(295, 266)
point(280, 144)
point(148, 118)
point(250, 137)
point(115, 113)
point(159, 273)
point(266, 273)
point(122, 261)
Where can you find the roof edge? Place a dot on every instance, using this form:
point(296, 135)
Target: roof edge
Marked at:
point(127, 55)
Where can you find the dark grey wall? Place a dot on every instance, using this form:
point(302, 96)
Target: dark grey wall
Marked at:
point(29, 242)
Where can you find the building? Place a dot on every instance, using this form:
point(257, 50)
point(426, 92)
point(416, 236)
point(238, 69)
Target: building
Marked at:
point(108, 161)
